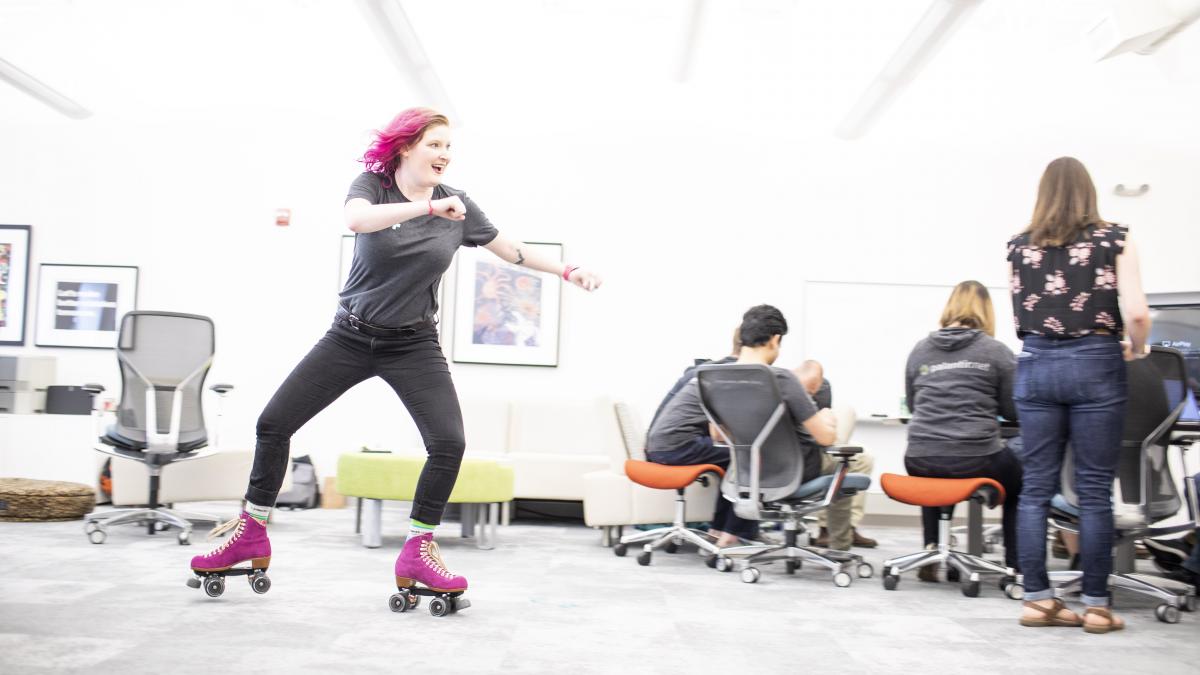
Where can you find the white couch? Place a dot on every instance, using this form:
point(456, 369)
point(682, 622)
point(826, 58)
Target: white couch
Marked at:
point(550, 444)
point(217, 477)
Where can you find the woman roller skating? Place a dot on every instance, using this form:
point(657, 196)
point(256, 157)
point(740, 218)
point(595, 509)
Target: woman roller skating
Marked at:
point(408, 226)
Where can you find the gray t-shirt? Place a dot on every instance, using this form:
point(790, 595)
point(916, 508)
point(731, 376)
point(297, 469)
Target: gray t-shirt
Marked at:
point(683, 420)
point(395, 274)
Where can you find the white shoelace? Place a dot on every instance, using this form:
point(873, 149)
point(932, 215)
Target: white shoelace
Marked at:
point(237, 524)
point(432, 555)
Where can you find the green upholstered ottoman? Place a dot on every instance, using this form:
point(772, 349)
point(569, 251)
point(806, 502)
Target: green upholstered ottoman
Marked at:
point(376, 476)
point(25, 499)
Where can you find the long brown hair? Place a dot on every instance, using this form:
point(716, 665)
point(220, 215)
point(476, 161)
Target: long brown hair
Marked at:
point(1066, 204)
point(970, 305)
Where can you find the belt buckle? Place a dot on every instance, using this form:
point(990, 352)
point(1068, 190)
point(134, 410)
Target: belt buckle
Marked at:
point(353, 321)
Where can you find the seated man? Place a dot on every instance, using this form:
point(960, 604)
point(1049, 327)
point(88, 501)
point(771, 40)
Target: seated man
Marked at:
point(812, 375)
point(680, 434)
point(690, 372)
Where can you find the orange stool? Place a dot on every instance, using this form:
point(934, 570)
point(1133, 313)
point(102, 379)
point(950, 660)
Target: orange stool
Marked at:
point(677, 478)
point(943, 494)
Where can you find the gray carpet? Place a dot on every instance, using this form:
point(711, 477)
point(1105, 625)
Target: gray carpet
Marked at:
point(547, 599)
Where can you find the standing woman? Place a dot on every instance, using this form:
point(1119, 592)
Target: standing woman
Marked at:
point(408, 226)
point(1076, 289)
point(958, 381)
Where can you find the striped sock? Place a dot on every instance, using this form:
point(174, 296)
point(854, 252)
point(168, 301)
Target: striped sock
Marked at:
point(258, 512)
point(416, 528)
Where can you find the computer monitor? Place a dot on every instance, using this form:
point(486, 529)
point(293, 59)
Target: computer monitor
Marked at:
point(1178, 327)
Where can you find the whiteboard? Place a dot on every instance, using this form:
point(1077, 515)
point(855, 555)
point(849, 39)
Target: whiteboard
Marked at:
point(862, 334)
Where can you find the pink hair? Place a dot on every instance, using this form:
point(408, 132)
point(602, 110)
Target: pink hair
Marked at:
point(383, 157)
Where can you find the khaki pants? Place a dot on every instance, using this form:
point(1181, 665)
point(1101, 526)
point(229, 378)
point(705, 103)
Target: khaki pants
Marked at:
point(841, 517)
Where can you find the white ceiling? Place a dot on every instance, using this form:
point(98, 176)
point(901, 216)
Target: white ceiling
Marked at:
point(790, 65)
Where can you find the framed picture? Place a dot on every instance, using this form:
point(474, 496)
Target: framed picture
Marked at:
point(82, 305)
point(14, 282)
point(504, 313)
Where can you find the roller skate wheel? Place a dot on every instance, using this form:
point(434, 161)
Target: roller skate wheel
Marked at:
point(97, 536)
point(398, 602)
point(214, 587)
point(439, 607)
point(751, 575)
point(460, 604)
point(865, 571)
point(644, 558)
point(1167, 613)
point(890, 581)
point(193, 583)
point(261, 583)
point(723, 564)
point(619, 550)
point(842, 579)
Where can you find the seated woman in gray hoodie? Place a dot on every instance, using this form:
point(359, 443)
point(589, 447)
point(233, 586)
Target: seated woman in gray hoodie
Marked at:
point(958, 381)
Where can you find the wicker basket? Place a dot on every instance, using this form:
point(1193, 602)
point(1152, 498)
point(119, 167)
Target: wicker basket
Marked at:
point(27, 500)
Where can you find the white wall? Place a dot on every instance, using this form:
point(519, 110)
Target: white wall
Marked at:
point(688, 235)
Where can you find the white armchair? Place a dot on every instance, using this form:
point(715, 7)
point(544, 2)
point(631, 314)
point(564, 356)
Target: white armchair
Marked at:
point(611, 500)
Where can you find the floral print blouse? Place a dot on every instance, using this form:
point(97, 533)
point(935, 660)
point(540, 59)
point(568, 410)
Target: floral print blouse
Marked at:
point(1070, 290)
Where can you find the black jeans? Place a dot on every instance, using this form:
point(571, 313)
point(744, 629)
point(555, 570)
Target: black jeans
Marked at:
point(414, 367)
point(1002, 466)
point(702, 451)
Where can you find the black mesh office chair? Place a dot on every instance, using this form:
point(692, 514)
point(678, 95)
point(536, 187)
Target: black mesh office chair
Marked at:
point(765, 479)
point(1144, 492)
point(164, 358)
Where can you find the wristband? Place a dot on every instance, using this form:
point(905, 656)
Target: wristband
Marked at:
point(567, 271)
point(431, 207)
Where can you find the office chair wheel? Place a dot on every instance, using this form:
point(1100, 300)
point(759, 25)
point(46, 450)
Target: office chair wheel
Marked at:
point(619, 550)
point(842, 579)
point(90, 527)
point(214, 587)
point(194, 582)
point(184, 538)
point(790, 566)
point(259, 581)
point(1187, 603)
point(724, 564)
point(1167, 613)
point(1014, 591)
point(644, 558)
point(952, 574)
point(865, 571)
point(890, 581)
point(751, 575)
point(970, 588)
point(97, 536)
point(671, 547)
point(711, 560)
point(439, 607)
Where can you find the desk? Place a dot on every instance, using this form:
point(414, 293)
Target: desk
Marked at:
point(50, 447)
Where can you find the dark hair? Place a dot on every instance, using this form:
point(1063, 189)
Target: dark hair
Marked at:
point(760, 323)
point(1066, 204)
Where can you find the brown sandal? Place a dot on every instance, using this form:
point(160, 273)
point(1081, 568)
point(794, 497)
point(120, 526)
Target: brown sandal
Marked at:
point(1105, 613)
point(1050, 616)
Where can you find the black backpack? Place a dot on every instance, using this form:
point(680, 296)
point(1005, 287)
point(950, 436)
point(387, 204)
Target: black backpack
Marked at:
point(305, 492)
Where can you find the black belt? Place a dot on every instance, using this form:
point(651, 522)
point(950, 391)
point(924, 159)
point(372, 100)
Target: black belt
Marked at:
point(358, 325)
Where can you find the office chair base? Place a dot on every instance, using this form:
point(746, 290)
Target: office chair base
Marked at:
point(667, 538)
point(838, 563)
point(1176, 596)
point(96, 524)
point(966, 569)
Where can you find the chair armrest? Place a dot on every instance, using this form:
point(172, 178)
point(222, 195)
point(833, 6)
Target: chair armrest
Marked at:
point(93, 388)
point(843, 451)
point(222, 388)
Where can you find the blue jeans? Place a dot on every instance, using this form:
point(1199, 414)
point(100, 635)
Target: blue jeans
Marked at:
point(1069, 391)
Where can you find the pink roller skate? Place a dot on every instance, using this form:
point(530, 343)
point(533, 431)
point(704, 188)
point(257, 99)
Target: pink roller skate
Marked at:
point(420, 562)
point(248, 542)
